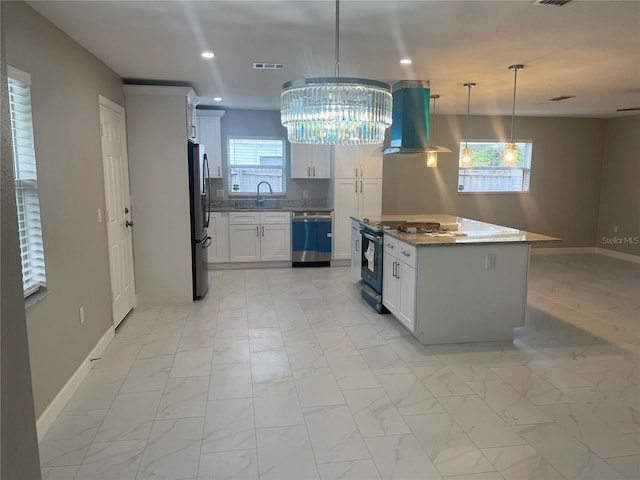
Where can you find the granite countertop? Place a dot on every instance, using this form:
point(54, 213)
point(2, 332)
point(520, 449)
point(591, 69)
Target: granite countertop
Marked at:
point(477, 232)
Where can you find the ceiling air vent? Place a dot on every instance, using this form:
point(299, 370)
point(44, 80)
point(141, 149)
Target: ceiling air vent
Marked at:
point(561, 97)
point(269, 66)
point(557, 3)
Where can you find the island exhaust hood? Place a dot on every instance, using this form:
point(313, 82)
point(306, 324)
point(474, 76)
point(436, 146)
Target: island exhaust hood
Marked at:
point(410, 127)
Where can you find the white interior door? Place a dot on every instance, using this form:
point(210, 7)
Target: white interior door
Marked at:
point(118, 213)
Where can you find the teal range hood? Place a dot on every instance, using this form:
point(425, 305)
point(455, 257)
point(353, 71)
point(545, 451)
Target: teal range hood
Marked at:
point(410, 127)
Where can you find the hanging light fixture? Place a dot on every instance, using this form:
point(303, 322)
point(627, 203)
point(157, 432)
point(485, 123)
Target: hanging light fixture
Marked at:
point(336, 110)
point(432, 150)
point(511, 148)
point(466, 153)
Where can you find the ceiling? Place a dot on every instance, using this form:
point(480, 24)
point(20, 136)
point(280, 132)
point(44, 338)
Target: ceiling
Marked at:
point(590, 49)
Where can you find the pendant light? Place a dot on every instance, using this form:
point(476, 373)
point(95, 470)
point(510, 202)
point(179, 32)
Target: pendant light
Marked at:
point(336, 110)
point(466, 153)
point(511, 148)
point(432, 150)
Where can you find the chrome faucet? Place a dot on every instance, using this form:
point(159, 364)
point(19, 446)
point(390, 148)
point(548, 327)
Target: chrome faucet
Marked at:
point(260, 201)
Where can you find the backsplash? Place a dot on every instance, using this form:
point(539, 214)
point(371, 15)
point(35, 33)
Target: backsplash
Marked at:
point(268, 203)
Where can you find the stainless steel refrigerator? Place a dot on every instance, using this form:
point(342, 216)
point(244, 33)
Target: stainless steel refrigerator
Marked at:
point(199, 195)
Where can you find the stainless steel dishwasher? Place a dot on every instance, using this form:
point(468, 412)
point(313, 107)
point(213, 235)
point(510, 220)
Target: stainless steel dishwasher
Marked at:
point(311, 239)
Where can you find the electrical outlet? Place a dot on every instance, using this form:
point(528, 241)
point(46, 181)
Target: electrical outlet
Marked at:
point(492, 259)
point(305, 193)
point(81, 315)
point(615, 229)
point(219, 192)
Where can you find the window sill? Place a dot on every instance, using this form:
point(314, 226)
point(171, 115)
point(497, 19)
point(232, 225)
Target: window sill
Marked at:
point(35, 298)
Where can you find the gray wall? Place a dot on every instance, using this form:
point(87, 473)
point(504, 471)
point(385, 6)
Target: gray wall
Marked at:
point(18, 440)
point(264, 123)
point(66, 80)
point(620, 187)
point(565, 177)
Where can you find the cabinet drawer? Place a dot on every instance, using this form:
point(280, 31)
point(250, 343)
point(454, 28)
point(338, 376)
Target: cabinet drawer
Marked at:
point(390, 246)
point(406, 253)
point(273, 218)
point(244, 218)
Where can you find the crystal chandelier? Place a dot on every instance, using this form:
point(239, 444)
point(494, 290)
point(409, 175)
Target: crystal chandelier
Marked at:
point(336, 110)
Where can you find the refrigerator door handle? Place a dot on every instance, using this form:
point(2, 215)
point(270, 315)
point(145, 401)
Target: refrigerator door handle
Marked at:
point(206, 192)
point(208, 241)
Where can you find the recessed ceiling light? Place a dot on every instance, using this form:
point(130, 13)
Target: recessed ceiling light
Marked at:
point(217, 99)
point(405, 61)
point(207, 54)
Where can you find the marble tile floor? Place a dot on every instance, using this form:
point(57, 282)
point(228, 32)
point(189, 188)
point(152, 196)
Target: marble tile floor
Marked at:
point(287, 374)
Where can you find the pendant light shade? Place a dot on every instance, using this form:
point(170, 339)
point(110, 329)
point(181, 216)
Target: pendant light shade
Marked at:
point(432, 150)
point(466, 153)
point(336, 110)
point(511, 148)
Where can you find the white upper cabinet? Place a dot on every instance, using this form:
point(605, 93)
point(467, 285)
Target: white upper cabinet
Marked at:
point(310, 161)
point(357, 161)
point(210, 137)
point(192, 124)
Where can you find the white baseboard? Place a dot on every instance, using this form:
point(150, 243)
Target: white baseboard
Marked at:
point(619, 255)
point(57, 404)
point(561, 251)
point(593, 250)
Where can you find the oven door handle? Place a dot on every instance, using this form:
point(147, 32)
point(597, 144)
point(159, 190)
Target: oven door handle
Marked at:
point(371, 237)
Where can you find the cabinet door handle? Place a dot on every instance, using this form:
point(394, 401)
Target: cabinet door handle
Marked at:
point(193, 131)
point(314, 171)
point(356, 170)
point(357, 245)
point(356, 185)
point(360, 186)
point(263, 231)
point(308, 171)
point(219, 173)
point(257, 231)
point(390, 246)
point(405, 253)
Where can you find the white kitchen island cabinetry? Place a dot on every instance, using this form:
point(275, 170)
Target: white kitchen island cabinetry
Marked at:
point(357, 191)
point(399, 280)
point(356, 252)
point(259, 236)
point(465, 286)
point(210, 137)
point(310, 161)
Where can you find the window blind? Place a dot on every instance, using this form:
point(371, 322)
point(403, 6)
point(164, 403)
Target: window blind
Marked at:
point(28, 205)
point(253, 160)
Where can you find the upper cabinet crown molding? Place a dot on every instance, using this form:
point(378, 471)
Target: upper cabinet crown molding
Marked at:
point(161, 90)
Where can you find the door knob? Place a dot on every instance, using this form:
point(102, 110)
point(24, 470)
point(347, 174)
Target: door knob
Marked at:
point(128, 223)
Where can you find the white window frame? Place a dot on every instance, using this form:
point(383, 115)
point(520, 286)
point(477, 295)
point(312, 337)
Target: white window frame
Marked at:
point(26, 184)
point(282, 168)
point(473, 175)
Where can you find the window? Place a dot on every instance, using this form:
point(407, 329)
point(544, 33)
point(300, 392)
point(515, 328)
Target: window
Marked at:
point(488, 173)
point(24, 163)
point(253, 160)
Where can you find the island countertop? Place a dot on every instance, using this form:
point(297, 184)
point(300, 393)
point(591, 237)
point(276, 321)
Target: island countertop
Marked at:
point(470, 231)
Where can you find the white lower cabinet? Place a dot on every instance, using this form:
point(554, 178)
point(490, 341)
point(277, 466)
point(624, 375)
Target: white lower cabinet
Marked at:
point(399, 281)
point(244, 243)
point(259, 236)
point(218, 251)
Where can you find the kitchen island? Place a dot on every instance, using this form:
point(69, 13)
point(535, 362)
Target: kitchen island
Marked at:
point(466, 282)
